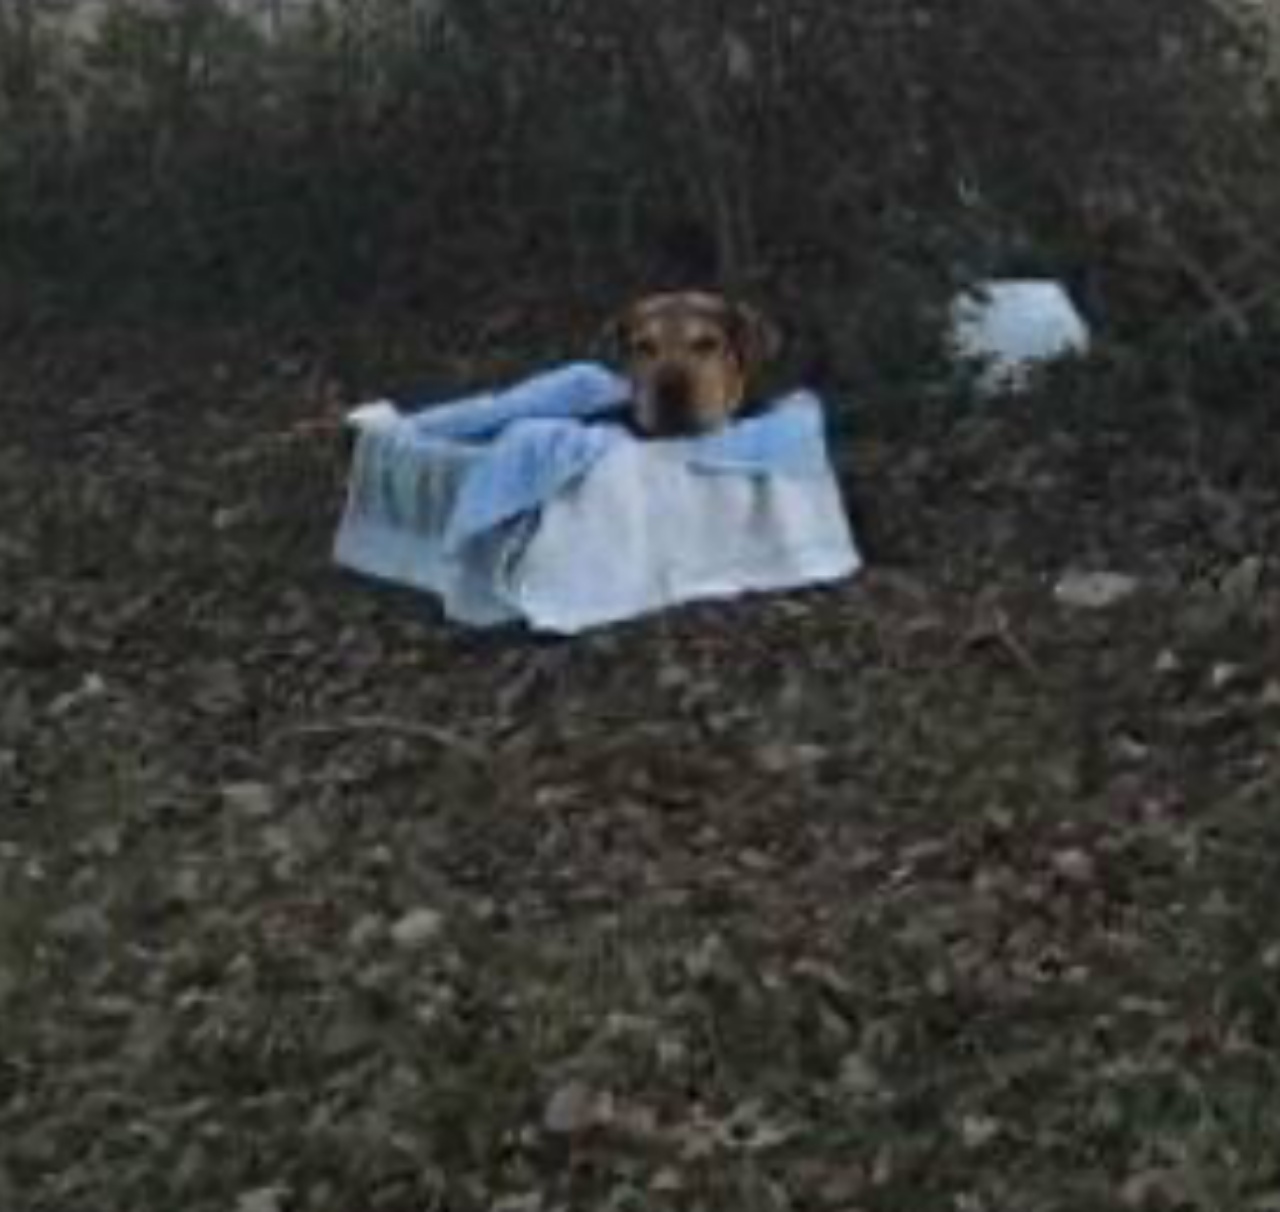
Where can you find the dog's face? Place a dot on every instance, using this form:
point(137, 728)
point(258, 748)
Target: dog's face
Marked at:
point(690, 358)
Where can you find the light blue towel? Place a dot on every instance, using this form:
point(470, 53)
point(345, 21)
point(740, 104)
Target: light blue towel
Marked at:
point(534, 442)
point(528, 463)
point(578, 390)
point(788, 439)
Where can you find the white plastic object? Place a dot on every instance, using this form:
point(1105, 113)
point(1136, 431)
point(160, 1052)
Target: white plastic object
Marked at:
point(1010, 327)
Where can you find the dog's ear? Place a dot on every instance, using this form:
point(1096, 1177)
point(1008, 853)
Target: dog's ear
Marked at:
point(757, 339)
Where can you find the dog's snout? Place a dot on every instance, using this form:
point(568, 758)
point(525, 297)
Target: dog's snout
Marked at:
point(674, 401)
point(672, 389)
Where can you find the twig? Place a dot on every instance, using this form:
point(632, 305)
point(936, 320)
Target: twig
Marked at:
point(997, 629)
point(388, 725)
point(1015, 647)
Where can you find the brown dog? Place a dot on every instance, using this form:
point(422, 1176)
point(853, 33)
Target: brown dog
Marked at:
point(692, 358)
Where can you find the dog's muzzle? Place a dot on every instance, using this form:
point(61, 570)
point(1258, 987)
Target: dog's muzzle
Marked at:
point(673, 401)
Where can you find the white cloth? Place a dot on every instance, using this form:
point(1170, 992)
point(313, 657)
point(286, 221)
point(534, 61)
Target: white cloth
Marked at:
point(646, 531)
point(645, 526)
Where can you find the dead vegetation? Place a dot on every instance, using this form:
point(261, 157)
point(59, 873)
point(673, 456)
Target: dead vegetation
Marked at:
point(933, 890)
point(927, 888)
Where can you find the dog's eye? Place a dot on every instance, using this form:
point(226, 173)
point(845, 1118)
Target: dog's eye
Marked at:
point(706, 347)
point(644, 350)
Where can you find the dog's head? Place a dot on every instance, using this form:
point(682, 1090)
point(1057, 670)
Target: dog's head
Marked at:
point(691, 358)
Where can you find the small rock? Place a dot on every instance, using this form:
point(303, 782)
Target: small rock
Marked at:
point(250, 799)
point(228, 516)
point(572, 1109)
point(671, 1053)
point(1094, 590)
point(417, 928)
point(365, 931)
point(219, 688)
point(1152, 1188)
point(1075, 866)
point(1239, 587)
point(531, 1202)
point(859, 1077)
point(186, 887)
point(667, 1181)
point(674, 677)
point(776, 757)
point(79, 923)
point(709, 961)
point(1224, 674)
point(978, 1130)
point(264, 1199)
point(756, 860)
point(1130, 749)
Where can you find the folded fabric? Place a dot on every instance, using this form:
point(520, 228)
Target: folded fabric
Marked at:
point(577, 390)
point(787, 439)
point(528, 463)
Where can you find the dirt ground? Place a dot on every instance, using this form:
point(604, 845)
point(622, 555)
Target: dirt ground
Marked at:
point(928, 891)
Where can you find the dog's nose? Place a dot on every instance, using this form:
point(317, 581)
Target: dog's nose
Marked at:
point(673, 399)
